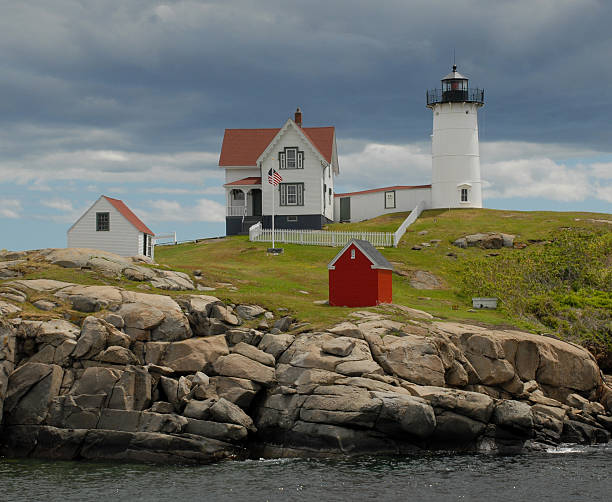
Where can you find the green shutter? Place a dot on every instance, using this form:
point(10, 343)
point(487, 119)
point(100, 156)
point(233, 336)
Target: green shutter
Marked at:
point(283, 194)
point(300, 194)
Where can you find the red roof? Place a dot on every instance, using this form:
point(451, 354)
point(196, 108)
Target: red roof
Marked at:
point(399, 187)
point(252, 180)
point(129, 215)
point(242, 147)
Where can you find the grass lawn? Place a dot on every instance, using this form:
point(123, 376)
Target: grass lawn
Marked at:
point(280, 281)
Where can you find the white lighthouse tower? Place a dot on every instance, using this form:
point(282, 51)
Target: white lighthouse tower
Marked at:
point(455, 153)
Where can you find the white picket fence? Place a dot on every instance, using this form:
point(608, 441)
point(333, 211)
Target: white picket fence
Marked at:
point(317, 237)
point(410, 219)
point(334, 238)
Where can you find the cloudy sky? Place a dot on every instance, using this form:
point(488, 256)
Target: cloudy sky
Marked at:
point(130, 99)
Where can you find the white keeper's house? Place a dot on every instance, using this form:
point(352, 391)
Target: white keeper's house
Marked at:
point(307, 160)
point(109, 225)
point(305, 157)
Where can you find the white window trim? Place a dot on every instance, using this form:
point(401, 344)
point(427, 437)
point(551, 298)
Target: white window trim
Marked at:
point(394, 206)
point(284, 194)
point(283, 158)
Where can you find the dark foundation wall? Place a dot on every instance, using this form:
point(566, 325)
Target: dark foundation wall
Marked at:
point(303, 221)
point(235, 226)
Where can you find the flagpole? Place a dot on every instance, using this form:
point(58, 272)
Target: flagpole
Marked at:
point(273, 195)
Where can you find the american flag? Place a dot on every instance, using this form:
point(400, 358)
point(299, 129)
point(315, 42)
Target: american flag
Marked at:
point(274, 178)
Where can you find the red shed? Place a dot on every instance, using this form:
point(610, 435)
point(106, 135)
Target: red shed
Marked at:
point(359, 276)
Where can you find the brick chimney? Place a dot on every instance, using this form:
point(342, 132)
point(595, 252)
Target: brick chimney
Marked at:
point(298, 117)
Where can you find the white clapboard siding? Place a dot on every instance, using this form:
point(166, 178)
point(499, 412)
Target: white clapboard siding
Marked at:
point(235, 174)
point(372, 204)
point(318, 237)
point(122, 238)
point(311, 175)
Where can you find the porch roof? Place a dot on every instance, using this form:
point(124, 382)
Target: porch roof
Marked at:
point(251, 181)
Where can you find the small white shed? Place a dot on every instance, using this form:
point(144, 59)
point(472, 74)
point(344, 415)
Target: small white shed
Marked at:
point(109, 225)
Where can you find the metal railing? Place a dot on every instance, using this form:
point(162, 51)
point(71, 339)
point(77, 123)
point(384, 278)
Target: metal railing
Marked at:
point(317, 237)
point(458, 96)
point(410, 219)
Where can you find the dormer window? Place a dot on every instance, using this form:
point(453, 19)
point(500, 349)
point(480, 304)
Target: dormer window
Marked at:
point(291, 158)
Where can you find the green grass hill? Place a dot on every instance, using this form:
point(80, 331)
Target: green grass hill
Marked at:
point(557, 278)
point(565, 255)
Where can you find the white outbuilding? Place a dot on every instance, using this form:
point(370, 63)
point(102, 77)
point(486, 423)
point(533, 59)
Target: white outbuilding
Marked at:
point(109, 225)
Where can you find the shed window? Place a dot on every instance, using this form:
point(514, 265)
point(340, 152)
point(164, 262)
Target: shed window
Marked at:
point(352, 254)
point(291, 194)
point(102, 222)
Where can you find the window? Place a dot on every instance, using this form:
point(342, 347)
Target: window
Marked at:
point(464, 195)
point(237, 195)
point(352, 254)
point(291, 194)
point(330, 196)
point(292, 219)
point(291, 158)
point(102, 222)
point(390, 199)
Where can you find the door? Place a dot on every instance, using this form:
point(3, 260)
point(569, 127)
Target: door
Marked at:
point(256, 202)
point(345, 209)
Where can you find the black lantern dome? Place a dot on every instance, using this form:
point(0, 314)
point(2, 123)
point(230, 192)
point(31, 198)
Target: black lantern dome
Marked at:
point(455, 90)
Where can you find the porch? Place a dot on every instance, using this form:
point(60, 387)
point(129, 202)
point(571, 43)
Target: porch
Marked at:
point(243, 198)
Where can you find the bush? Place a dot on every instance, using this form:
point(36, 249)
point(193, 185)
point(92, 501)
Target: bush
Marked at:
point(564, 285)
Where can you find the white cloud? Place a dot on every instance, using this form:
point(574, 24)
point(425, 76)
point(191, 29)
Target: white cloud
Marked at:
point(602, 170)
point(10, 208)
point(111, 167)
point(59, 204)
point(377, 165)
point(604, 193)
point(205, 210)
point(211, 190)
point(510, 169)
point(63, 210)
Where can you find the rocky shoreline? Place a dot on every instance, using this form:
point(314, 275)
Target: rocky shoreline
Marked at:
point(189, 379)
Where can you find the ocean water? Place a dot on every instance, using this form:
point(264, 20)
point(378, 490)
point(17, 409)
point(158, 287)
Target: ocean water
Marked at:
point(561, 474)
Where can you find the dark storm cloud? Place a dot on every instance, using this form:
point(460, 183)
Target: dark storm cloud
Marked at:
point(149, 77)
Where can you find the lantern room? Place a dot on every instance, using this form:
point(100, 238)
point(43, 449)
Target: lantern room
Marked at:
point(454, 86)
point(455, 89)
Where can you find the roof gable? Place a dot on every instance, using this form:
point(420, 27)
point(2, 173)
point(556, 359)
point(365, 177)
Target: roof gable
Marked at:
point(127, 213)
point(244, 147)
point(369, 251)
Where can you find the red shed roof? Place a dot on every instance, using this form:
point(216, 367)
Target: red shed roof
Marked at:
point(242, 147)
point(127, 213)
point(252, 180)
point(399, 187)
point(369, 251)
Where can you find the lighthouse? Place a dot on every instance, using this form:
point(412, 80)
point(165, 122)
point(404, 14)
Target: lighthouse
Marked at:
point(454, 143)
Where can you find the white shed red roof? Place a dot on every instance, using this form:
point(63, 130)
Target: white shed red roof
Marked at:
point(242, 147)
point(127, 213)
